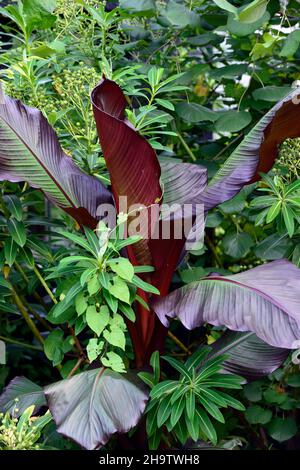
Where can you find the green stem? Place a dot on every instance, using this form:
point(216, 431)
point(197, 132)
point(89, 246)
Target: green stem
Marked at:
point(36, 315)
point(44, 284)
point(26, 279)
point(185, 145)
point(26, 316)
point(214, 251)
point(20, 343)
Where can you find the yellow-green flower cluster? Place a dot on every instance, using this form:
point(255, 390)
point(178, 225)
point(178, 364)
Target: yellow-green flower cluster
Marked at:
point(289, 157)
point(75, 84)
point(14, 438)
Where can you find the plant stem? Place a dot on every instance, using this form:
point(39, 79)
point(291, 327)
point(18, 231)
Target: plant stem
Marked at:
point(44, 284)
point(36, 315)
point(178, 342)
point(214, 251)
point(236, 139)
point(185, 145)
point(76, 367)
point(77, 343)
point(26, 316)
point(20, 343)
point(25, 277)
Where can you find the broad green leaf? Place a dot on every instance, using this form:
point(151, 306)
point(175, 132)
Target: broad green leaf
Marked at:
point(291, 44)
point(190, 404)
point(237, 245)
point(245, 29)
point(181, 368)
point(179, 15)
point(93, 285)
point(194, 112)
point(282, 429)
point(271, 93)
point(232, 121)
point(253, 11)
point(225, 5)
point(257, 415)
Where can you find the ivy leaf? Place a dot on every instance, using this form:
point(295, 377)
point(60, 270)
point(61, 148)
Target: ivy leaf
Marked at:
point(97, 321)
point(94, 349)
point(115, 337)
point(114, 362)
point(119, 289)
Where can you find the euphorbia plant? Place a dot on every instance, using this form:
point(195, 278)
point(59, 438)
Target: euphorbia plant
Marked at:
point(261, 305)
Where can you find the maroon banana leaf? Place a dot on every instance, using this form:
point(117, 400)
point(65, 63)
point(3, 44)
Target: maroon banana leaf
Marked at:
point(91, 406)
point(30, 151)
point(135, 174)
point(264, 300)
point(247, 355)
point(256, 153)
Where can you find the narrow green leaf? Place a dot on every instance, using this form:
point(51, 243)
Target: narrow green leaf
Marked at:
point(17, 231)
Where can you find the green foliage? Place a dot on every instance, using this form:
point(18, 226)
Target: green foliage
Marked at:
point(94, 285)
point(185, 406)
